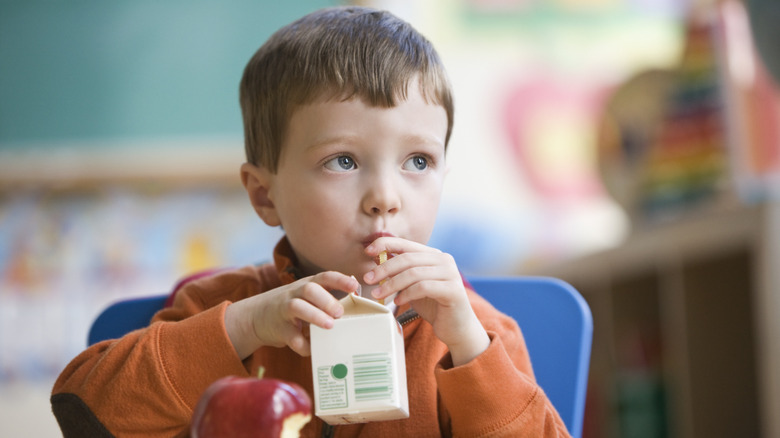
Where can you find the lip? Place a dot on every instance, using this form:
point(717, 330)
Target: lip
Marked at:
point(373, 236)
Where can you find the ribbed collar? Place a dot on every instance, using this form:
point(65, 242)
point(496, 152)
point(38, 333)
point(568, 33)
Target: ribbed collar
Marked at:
point(286, 262)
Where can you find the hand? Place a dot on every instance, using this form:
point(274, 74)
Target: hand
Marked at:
point(429, 280)
point(279, 317)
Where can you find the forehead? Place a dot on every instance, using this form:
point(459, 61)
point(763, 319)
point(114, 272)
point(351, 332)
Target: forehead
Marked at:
point(331, 121)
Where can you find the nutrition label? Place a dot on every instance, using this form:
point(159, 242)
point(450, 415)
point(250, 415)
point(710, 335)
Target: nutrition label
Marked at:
point(373, 376)
point(332, 384)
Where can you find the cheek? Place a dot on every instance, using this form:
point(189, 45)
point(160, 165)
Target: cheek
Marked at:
point(424, 203)
point(293, 202)
point(312, 210)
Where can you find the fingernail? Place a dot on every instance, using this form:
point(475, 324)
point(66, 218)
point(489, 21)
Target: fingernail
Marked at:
point(369, 277)
point(376, 292)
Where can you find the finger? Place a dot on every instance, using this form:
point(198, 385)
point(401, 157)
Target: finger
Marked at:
point(331, 280)
point(407, 279)
point(396, 245)
point(300, 345)
point(302, 310)
point(438, 291)
point(440, 282)
point(404, 262)
point(320, 298)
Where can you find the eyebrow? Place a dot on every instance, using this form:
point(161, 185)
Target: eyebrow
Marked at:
point(332, 141)
point(423, 139)
point(356, 139)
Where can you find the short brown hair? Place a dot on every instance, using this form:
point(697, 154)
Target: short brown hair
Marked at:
point(340, 52)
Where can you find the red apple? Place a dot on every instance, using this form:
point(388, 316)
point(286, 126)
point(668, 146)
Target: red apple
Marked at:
point(251, 407)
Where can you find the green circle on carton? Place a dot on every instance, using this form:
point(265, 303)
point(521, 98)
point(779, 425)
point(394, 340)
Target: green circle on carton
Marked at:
point(339, 371)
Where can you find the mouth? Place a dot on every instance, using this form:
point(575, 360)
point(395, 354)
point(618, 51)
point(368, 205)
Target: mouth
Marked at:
point(372, 237)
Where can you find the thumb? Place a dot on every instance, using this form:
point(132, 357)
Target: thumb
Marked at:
point(300, 345)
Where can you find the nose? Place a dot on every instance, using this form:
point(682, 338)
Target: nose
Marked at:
point(381, 197)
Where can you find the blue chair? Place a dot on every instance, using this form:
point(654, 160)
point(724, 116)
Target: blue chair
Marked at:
point(555, 320)
point(558, 329)
point(124, 316)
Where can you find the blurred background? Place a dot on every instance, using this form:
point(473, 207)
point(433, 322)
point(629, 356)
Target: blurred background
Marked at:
point(630, 147)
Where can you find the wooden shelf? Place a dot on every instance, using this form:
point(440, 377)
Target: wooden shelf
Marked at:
point(173, 163)
point(686, 335)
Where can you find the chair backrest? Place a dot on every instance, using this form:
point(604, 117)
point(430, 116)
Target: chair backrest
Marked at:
point(124, 316)
point(555, 320)
point(558, 329)
point(129, 314)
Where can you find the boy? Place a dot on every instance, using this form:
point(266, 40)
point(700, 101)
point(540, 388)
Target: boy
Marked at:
point(347, 114)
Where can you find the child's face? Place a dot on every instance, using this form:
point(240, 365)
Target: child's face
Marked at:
point(350, 173)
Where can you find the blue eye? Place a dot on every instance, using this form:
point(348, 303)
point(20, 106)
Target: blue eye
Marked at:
point(417, 163)
point(341, 163)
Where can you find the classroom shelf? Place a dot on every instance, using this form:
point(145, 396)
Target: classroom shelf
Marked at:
point(686, 337)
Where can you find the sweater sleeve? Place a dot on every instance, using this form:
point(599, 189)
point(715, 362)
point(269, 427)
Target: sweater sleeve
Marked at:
point(496, 395)
point(147, 382)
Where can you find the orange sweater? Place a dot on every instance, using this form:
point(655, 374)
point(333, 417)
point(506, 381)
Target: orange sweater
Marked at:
point(147, 383)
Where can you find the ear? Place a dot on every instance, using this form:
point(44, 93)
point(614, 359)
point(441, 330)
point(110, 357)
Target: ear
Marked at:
point(257, 182)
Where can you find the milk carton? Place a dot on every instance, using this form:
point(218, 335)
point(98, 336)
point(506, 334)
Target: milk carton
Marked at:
point(358, 366)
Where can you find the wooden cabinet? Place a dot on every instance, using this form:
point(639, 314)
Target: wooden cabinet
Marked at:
point(687, 327)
